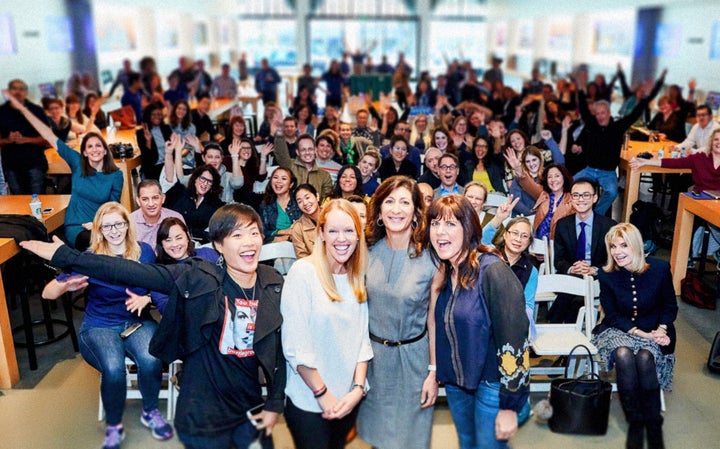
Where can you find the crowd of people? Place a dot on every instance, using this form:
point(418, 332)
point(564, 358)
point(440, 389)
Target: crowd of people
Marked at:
point(385, 206)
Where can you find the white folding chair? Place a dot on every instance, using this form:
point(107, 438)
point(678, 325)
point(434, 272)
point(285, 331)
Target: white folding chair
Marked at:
point(493, 201)
point(559, 339)
point(168, 392)
point(540, 247)
point(282, 252)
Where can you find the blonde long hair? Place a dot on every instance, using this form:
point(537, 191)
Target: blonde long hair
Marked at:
point(99, 245)
point(633, 239)
point(356, 265)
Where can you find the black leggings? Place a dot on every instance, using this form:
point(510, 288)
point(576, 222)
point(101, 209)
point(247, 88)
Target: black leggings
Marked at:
point(635, 371)
point(311, 431)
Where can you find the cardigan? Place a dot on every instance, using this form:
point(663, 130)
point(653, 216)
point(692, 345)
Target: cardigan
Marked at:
point(704, 174)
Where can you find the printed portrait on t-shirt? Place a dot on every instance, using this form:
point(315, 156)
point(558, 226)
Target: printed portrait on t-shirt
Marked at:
point(239, 327)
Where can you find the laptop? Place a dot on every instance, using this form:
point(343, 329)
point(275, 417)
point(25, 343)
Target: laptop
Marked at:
point(715, 194)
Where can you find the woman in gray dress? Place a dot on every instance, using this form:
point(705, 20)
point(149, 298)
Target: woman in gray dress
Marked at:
point(398, 409)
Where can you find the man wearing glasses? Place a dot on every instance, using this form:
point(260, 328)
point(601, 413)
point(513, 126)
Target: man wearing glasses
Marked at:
point(448, 169)
point(579, 245)
point(700, 133)
point(304, 165)
point(23, 150)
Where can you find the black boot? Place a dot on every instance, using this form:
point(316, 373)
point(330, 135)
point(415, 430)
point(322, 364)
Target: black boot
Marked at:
point(653, 418)
point(630, 400)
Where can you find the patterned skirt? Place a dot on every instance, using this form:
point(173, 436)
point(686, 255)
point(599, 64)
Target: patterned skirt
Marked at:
point(610, 339)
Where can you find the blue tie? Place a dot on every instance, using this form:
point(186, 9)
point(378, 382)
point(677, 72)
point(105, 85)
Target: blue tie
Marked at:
point(581, 242)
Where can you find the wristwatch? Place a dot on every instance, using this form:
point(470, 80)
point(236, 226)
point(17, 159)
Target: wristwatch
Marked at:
point(361, 387)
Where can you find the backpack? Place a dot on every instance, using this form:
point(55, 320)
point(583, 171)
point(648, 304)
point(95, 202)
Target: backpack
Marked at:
point(22, 227)
point(646, 217)
point(694, 292)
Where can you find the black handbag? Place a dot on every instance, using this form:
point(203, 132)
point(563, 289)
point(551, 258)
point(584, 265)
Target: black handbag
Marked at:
point(580, 406)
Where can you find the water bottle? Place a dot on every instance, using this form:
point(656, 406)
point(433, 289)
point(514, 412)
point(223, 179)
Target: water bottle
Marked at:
point(36, 207)
point(661, 153)
point(111, 130)
point(682, 151)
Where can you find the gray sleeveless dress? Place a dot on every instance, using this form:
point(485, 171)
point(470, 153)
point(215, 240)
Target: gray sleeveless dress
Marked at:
point(398, 290)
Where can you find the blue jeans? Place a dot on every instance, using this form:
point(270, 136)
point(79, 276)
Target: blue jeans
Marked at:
point(104, 350)
point(607, 179)
point(474, 414)
point(240, 437)
point(25, 182)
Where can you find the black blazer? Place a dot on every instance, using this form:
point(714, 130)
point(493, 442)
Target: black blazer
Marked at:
point(566, 242)
point(149, 152)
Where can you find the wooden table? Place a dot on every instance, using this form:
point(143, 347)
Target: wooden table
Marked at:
point(632, 177)
point(20, 205)
point(58, 166)
point(252, 99)
point(688, 209)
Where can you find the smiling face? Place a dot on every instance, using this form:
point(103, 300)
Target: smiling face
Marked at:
point(176, 243)
point(307, 201)
point(306, 151)
point(238, 128)
point(156, 117)
point(281, 182)
point(181, 111)
point(398, 151)
point(517, 238)
point(532, 164)
point(461, 127)
point(55, 111)
point(621, 253)
point(289, 128)
point(114, 229)
point(203, 183)
point(481, 149)
point(397, 211)
point(345, 131)
point(347, 181)
point(340, 238)
point(421, 123)
point(432, 157)
point(367, 166)
point(446, 237)
point(583, 198)
point(361, 209)
point(213, 156)
point(476, 196)
point(555, 180)
point(602, 114)
point(517, 142)
point(95, 152)
point(441, 141)
point(362, 119)
point(151, 200)
point(241, 249)
point(324, 150)
point(246, 150)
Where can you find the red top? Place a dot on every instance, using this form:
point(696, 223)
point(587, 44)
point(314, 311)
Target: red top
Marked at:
point(704, 174)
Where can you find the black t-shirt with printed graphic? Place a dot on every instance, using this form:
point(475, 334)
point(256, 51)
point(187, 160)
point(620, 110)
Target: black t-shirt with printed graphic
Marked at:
point(220, 381)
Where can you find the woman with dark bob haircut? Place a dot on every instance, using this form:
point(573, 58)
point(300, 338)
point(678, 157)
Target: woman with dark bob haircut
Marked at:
point(478, 313)
point(221, 342)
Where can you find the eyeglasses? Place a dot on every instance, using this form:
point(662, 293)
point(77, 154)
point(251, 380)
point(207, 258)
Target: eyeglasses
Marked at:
point(519, 235)
point(246, 148)
point(204, 180)
point(448, 167)
point(401, 149)
point(584, 195)
point(404, 130)
point(120, 226)
point(702, 114)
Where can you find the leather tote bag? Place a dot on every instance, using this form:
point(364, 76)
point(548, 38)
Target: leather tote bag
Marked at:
point(580, 406)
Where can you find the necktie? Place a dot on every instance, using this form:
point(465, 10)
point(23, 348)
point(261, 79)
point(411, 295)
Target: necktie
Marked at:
point(581, 242)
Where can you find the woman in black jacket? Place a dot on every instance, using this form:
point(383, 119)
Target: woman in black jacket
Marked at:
point(223, 322)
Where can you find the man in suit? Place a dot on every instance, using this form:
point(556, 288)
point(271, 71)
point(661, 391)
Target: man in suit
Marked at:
point(579, 245)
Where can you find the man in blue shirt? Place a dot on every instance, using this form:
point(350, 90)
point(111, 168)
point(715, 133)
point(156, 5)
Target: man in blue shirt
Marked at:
point(449, 169)
point(266, 82)
point(133, 95)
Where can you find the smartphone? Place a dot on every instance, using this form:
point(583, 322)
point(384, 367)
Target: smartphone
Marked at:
point(254, 411)
point(129, 331)
point(695, 194)
point(48, 210)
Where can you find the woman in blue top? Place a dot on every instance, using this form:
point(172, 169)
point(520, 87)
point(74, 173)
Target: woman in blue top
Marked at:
point(481, 340)
point(109, 312)
point(95, 177)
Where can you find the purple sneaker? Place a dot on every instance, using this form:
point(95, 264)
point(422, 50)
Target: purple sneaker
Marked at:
point(154, 420)
point(113, 437)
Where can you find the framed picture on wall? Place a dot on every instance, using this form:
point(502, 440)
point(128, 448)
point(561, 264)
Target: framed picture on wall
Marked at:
point(8, 45)
point(58, 34)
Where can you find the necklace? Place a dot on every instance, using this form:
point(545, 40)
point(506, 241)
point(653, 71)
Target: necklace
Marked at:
point(242, 290)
